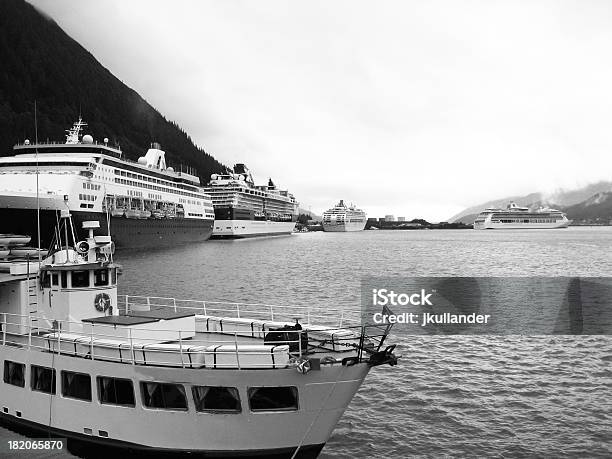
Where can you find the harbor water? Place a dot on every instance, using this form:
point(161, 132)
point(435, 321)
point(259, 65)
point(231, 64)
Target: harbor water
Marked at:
point(450, 396)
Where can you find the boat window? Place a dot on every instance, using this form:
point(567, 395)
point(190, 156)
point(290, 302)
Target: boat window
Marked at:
point(54, 279)
point(76, 385)
point(213, 398)
point(116, 391)
point(273, 398)
point(14, 373)
point(100, 277)
point(80, 279)
point(113, 276)
point(164, 396)
point(64, 279)
point(43, 379)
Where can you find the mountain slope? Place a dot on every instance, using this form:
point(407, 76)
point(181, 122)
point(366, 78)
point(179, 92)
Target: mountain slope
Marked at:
point(596, 208)
point(39, 61)
point(561, 199)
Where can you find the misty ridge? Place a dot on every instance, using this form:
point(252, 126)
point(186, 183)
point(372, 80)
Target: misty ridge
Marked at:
point(590, 204)
point(41, 62)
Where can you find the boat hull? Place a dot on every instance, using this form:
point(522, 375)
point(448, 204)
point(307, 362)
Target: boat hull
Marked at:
point(323, 398)
point(344, 227)
point(489, 225)
point(126, 232)
point(237, 229)
point(94, 447)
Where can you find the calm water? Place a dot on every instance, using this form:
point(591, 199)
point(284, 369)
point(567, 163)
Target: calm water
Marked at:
point(450, 396)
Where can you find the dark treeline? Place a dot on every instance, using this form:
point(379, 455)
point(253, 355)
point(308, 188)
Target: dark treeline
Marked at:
point(39, 61)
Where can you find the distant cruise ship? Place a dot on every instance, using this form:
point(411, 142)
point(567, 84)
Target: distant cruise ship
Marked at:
point(145, 203)
point(516, 217)
point(243, 209)
point(343, 218)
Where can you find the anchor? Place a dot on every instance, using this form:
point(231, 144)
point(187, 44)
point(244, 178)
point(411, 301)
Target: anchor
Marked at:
point(383, 357)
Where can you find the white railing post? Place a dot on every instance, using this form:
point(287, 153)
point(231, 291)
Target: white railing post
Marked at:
point(238, 310)
point(29, 333)
point(59, 337)
point(236, 348)
point(204, 307)
point(4, 325)
point(127, 305)
point(174, 301)
point(132, 346)
point(149, 303)
point(341, 317)
point(271, 313)
point(91, 342)
point(181, 349)
point(300, 342)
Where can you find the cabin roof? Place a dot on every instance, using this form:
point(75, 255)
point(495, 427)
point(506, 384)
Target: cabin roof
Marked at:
point(160, 313)
point(120, 320)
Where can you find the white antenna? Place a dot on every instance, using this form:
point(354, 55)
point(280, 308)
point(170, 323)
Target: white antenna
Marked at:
point(37, 193)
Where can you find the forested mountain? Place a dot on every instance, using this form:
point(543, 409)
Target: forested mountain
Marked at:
point(577, 203)
point(39, 61)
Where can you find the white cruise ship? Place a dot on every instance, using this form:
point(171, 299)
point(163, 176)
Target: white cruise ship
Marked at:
point(343, 218)
point(517, 217)
point(145, 202)
point(243, 209)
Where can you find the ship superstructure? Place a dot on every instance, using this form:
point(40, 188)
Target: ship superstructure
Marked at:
point(344, 218)
point(145, 202)
point(243, 209)
point(518, 217)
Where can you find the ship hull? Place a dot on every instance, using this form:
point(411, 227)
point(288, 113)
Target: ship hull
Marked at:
point(128, 429)
point(489, 225)
point(95, 447)
point(237, 229)
point(126, 232)
point(344, 227)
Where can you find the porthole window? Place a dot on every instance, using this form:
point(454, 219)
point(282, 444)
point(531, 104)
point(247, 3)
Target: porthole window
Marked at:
point(100, 277)
point(43, 379)
point(216, 398)
point(163, 396)
point(14, 373)
point(115, 391)
point(80, 279)
point(283, 398)
point(76, 385)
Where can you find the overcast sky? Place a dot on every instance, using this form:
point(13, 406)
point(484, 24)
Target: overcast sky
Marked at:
point(414, 108)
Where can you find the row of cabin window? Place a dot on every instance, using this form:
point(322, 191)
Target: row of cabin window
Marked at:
point(79, 279)
point(116, 391)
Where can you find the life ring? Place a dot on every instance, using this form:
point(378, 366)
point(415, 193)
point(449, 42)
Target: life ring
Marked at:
point(102, 302)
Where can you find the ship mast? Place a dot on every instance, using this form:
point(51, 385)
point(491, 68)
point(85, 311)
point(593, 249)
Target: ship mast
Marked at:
point(72, 134)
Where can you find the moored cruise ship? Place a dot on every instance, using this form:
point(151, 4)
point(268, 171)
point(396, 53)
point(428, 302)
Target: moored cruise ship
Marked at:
point(517, 217)
point(344, 218)
point(146, 202)
point(243, 209)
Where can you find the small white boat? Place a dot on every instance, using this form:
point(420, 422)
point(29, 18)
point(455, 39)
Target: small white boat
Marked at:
point(28, 252)
point(10, 240)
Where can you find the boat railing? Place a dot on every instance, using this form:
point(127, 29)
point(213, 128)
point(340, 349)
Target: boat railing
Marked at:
point(230, 348)
point(336, 317)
